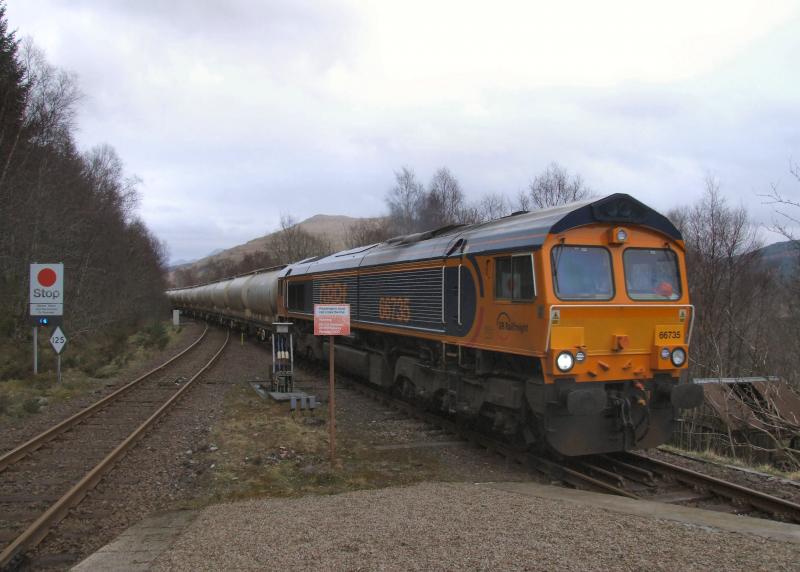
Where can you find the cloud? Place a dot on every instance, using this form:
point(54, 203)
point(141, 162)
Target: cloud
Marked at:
point(235, 112)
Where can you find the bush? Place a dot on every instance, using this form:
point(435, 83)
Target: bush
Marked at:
point(7, 326)
point(15, 359)
point(154, 335)
point(31, 406)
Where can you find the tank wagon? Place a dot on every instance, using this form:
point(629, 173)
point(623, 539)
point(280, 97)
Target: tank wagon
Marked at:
point(566, 328)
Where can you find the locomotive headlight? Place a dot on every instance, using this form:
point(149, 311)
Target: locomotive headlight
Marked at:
point(617, 235)
point(664, 353)
point(678, 357)
point(565, 361)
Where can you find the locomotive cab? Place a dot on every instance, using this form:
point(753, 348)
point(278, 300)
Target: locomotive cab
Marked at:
point(618, 331)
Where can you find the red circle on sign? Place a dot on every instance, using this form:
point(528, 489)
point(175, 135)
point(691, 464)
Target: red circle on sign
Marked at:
point(46, 277)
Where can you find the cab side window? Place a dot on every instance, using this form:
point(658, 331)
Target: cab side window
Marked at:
point(297, 297)
point(514, 278)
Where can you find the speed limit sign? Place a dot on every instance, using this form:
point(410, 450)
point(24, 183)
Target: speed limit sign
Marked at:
point(58, 340)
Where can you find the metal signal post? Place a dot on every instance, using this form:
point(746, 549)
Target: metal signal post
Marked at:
point(58, 340)
point(35, 350)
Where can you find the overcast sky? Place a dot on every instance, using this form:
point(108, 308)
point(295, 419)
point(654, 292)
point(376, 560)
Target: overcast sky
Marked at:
point(233, 112)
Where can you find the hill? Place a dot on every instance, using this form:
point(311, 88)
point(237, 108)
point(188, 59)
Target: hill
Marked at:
point(781, 257)
point(331, 228)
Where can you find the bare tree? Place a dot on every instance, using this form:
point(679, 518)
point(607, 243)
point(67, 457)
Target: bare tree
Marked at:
point(186, 276)
point(405, 201)
point(105, 170)
point(726, 283)
point(787, 208)
point(52, 97)
point(494, 206)
point(787, 223)
point(444, 202)
point(414, 209)
point(552, 188)
point(469, 214)
point(292, 243)
point(368, 231)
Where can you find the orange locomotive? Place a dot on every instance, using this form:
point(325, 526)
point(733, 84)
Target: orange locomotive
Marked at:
point(567, 327)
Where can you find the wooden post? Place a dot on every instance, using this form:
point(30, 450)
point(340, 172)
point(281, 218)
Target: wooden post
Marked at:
point(331, 403)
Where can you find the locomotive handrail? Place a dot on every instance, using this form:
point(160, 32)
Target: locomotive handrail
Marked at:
point(554, 306)
point(459, 294)
point(443, 317)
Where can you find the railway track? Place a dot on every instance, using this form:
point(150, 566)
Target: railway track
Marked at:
point(639, 476)
point(47, 476)
point(630, 475)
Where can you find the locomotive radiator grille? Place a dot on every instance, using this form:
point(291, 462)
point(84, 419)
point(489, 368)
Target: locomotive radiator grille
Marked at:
point(337, 290)
point(412, 298)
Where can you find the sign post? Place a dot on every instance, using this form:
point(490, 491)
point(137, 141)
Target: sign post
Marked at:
point(58, 340)
point(331, 401)
point(46, 300)
point(36, 350)
point(331, 320)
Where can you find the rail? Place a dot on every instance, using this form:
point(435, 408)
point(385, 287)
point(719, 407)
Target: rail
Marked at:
point(767, 503)
point(31, 445)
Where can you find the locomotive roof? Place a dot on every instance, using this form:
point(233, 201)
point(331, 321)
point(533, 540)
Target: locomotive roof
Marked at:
point(520, 231)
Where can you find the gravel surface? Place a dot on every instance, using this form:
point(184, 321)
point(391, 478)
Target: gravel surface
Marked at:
point(394, 442)
point(157, 474)
point(435, 526)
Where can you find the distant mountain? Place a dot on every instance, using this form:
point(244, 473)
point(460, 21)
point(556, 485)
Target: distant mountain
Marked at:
point(333, 228)
point(180, 262)
point(188, 261)
point(782, 257)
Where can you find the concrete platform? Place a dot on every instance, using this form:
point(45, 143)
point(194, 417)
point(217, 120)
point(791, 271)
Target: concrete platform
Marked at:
point(780, 531)
point(139, 547)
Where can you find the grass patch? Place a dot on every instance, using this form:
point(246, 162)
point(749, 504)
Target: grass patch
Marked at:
point(86, 363)
point(20, 398)
point(258, 449)
point(714, 457)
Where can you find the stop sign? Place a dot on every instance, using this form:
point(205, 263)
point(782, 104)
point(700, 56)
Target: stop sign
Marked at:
point(47, 290)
